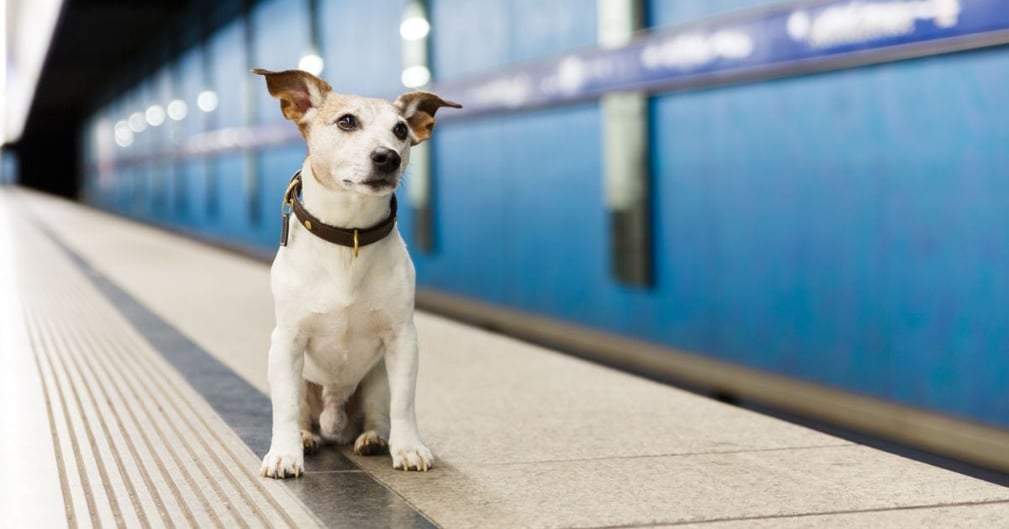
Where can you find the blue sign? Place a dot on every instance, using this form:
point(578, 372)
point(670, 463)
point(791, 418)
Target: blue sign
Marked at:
point(783, 41)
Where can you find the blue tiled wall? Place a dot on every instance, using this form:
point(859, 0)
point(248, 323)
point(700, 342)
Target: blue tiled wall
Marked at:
point(362, 46)
point(673, 12)
point(856, 241)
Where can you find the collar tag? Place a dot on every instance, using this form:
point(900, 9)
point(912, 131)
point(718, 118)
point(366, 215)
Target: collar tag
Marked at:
point(285, 218)
point(285, 207)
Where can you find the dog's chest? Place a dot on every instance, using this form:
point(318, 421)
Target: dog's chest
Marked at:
point(344, 308)
point(315, 277)
point(342, 345)
point(344, 325)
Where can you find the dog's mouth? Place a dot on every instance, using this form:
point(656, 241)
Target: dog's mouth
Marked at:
point(375, 184)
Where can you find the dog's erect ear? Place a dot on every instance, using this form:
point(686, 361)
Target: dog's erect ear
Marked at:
point(418, 108)
point(297, 90)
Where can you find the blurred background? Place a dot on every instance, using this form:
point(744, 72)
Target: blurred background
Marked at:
point(812, 191)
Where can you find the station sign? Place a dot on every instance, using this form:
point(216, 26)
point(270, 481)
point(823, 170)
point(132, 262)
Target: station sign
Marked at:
point(763, 44)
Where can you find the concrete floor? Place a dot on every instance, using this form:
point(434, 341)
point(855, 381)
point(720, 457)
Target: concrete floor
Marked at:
point(527, 437)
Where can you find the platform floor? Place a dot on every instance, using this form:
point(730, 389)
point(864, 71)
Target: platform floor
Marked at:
point(134, 395)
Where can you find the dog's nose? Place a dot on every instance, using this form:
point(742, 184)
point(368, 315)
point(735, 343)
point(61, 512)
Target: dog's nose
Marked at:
point(385, 160)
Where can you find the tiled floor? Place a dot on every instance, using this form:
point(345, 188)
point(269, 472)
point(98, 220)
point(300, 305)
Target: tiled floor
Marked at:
point(525, 437)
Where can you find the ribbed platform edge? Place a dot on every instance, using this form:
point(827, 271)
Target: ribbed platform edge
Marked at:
point(135, 445)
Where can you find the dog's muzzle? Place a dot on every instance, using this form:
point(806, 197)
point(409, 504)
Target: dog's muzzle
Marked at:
point(385, 160)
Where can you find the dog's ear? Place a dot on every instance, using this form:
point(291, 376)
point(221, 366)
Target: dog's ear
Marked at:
point(297, 90)
point(418, 108)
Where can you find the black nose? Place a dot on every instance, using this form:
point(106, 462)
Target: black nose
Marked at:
point(385, 160)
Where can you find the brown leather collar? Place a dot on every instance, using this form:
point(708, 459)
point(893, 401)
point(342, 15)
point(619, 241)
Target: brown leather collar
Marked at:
point(350, 237)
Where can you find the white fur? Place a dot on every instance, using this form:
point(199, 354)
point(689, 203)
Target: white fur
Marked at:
point(344, 321)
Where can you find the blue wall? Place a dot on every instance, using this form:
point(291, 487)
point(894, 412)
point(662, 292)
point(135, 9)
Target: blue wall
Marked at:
point(670, 12)
point(849, 228)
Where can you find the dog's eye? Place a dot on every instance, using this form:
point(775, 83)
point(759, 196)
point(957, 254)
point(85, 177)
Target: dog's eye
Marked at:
point(400, 130)
point(347, 122)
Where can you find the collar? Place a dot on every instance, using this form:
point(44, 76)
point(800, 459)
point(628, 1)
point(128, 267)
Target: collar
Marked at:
point(350, 237)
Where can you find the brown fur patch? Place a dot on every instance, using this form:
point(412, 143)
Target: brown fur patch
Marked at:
point(297, 91)
point(419, 108)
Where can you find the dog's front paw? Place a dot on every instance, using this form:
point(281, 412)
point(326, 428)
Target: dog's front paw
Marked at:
point(370, 443)
point(309, 441)
point(414, 456)
point(279, 465)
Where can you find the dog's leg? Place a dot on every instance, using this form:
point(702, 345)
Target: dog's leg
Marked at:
point(405, 446)
point(311, 403)
point(287, 358)
point(334, 424)
point(375, 407)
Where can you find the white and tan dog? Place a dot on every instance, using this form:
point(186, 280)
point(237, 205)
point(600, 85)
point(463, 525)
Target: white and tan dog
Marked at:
point(344, 351)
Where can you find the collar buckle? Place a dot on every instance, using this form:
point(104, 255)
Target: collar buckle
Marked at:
point(288, 199)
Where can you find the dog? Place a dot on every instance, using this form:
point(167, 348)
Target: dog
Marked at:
point(343, 354)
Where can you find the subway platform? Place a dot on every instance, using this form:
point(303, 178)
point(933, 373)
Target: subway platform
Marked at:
point(135, 395)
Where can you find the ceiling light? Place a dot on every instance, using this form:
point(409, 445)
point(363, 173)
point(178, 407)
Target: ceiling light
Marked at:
point(177, 110)
point(136, 122)
point(415, 76)
point(123, 135)
point(414, 28)
point(207, 100)
point(311, 63)
point(155, 115)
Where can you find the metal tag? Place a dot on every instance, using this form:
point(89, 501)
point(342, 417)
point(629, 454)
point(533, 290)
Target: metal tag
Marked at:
point(284, 227)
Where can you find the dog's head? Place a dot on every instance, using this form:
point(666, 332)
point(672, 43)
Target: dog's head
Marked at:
point(355, 143)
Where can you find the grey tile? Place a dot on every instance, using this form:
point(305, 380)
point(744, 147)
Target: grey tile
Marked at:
point(678, 489)
point(353, 500)
point(480, 394)
point(328, 459)
point(987, 516)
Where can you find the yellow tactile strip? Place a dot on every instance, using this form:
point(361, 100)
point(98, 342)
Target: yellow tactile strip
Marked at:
point(136, 447)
